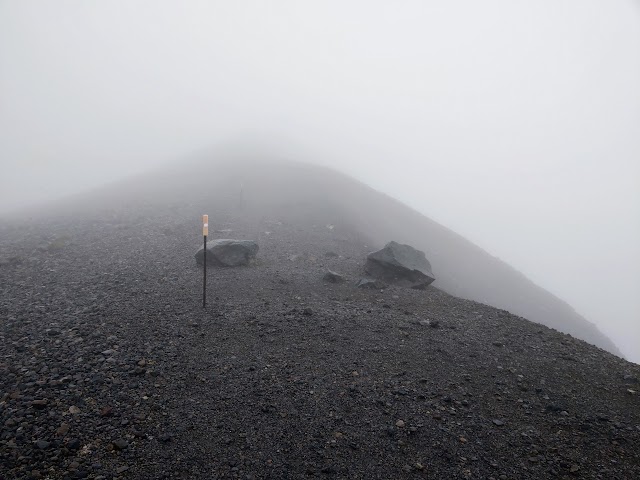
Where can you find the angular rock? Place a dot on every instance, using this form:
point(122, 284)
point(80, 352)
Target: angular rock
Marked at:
point(228, 252)
point(401, 265)
point(120, 443)
point(333, 277)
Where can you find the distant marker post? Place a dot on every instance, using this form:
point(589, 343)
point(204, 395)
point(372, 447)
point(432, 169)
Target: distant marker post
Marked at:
point(205, 233)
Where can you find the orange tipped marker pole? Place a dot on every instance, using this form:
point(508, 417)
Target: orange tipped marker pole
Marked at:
point(205, 233)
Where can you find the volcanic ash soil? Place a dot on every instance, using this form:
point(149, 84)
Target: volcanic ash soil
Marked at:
point(110, 367)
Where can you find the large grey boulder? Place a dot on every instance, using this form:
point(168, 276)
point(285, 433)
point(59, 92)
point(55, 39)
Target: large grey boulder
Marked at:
point(400, 265)
point(227, 252)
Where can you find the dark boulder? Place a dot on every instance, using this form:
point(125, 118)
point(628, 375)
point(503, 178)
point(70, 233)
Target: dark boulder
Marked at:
point(400, 265)
point(227, 252)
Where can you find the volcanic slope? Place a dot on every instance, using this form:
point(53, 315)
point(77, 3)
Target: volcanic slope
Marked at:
point(110, 368)
point(297, 192)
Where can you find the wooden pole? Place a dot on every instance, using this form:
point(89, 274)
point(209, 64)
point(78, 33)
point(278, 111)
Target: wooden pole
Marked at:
point(205, 233)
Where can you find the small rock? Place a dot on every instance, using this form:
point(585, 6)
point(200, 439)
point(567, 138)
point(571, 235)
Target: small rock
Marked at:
point(120, 444)
point(333, 277)
point(400, 423)
point(42, 444)
point(307, 311)
point(371, 283)
point(39, 404)
point(499, 423)
point(434, 323)
point(63, 429)
point(74, 410)
point(74, 444)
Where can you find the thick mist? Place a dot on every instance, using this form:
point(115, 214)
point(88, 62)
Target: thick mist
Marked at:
point(513, 123)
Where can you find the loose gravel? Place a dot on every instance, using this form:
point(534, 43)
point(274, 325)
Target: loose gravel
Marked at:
point(111, 369)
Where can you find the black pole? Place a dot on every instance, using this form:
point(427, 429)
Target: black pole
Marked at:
point(204, 278)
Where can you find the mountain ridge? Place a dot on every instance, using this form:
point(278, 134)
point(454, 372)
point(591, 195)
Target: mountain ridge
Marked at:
point(111, 369)
point(223, 174)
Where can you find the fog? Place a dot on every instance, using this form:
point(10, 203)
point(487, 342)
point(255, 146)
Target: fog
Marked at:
point(514, 123)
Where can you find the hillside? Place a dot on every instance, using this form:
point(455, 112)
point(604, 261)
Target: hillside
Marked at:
point(110, 368)
point(295, 191)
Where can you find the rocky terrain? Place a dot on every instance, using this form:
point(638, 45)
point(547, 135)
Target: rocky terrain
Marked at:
point(110, 367)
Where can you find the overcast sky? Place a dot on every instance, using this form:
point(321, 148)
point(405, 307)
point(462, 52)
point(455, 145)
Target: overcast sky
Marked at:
point(515, 123)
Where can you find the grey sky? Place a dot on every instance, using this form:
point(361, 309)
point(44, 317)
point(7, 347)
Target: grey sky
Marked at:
point(515, 123)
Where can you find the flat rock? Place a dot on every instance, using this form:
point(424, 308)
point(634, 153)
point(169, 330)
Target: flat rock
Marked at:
point(228, 252)
point(39, 404)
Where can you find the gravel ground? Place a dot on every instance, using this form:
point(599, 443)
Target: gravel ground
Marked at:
point(110, 367)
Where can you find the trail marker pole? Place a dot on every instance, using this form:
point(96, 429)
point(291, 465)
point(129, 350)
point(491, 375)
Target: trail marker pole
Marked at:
point(205, 232)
